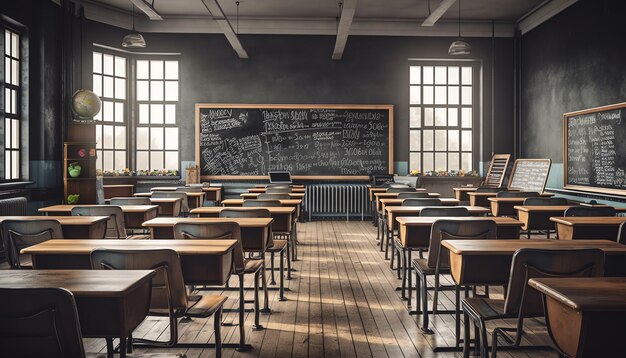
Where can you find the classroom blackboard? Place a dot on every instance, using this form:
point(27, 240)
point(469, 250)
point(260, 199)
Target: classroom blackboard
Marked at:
point(595, 149)
point(530, 174)
point(330, 141)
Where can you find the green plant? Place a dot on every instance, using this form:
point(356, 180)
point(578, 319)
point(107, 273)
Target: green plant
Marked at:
point(73, 199)
point(74, 169)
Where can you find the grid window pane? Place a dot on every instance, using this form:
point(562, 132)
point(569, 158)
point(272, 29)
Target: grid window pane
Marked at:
point(143, 70)
point(97, 85)
point(119, 112)
point(107, 137)
point(440, 140)
point(415, 161)
point(144, 113)
point(428, 95)
point(428, 75)
point(142, 161)
point(107, 160)
point(156, 138)
point(440, 117)
point(453, 140)
point(466, 162)
point(453, 117)
point(143, 90)
point(11, 98)
point(453, 161)
point(170, 114)
point(156, 70)
point(466, 140)
point(441, 163)
point(440, 95)
point(107, 88)
point(428, 140)
point(120, 88)
point(415, 117)
point(171, 90)
point(107, 67)
point(156, 160)
point(143, 138)
point(156, 90)
point(97, 62)
point(415, 140)
point(171, 160)
point(466, 118)
point(156, 113)
point(429, 114)
point(120, 66)
point(429, 162)
point(466, 95)
point(415, 75)
point(453, 95)
point(120, 159)
point(440, 75)
point(453, 75)
point(415, 95)
point(120, 137)
point(466, 76)
point(99, 137)
point(171, 138)
point(171, 70)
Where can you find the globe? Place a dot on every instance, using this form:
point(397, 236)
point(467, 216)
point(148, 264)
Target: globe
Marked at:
point(86, 104)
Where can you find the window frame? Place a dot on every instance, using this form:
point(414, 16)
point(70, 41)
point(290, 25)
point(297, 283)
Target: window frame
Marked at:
point(18, 92)
point(475, 110)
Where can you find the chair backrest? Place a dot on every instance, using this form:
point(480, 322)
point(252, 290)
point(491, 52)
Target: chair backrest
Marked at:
point(590, 211)
point(18, 234)
point(248, 213)
point(402, 189)
point(456, 230)
point(39, 322)
point(278, 186)
point(517, 194)
point(278, 190)
point(168, 285)
point(116, 226)
point(184, 207)
point(214, 231)
point(414, 195)
point(545, 201)
point(485, 189)
point(261, 203)
point(445, 211)
point(399, 185)
point(139, 200)
point(536, 263)
point(621, 235)
point(189, 189)
point(422, 202)
point(269, 196)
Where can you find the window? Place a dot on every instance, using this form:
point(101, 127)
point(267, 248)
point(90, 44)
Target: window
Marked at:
point(109, 82)
point(157, 128)
point(441, 116)
point(12, 104)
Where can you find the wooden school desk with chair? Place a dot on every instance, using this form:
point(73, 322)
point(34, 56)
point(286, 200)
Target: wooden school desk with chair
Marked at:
point(195, 199)
point(118, 190)
point(588, 227)
point(134, 215)
point(91, 227)
point(506, 206)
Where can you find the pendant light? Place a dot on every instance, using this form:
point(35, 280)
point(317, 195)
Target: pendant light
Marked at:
point(459, 47)
point(135, 39)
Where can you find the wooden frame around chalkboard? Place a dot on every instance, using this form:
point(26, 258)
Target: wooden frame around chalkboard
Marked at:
point(543, 187)
point(593, 189)
point(388, 107)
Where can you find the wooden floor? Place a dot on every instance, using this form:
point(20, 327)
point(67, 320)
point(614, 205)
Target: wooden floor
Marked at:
point(342, 303)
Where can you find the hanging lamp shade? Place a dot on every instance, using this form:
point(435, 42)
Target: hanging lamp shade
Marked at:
point(459, 47)
point(134, 41)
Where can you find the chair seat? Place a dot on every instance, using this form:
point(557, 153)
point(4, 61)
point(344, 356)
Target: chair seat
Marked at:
point(138, 237)
point(206, 306)
point(486, 308)
point(279, 245)
point(422, 266)
point(252, 265)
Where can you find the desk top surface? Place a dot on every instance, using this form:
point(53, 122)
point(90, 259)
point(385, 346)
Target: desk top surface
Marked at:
point(118, 185)
point(243, 222)
point(429, 220)
point(589, 220)
point(399, 201)
point(84, 247)
point(64, 220)
point(418, 209)
point(84, 283)
point(125, 208)
point(164, 200)
point(192, 194)
point(585, 293)
point(218, 209)
point(282, 201)
point(508, 247)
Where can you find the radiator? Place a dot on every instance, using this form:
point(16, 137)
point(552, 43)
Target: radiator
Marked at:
point(336, 200)
point(11, 207)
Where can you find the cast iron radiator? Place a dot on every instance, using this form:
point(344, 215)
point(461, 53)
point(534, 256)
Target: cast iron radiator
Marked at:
point(336, 200)
point(11, 207)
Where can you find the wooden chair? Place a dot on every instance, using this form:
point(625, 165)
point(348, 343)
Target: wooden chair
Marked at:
point(184, 206)
point(438, 263)
point(522, 302)
point(273, 245)
point(414, 195)
point(590, 211)
point(542, 226)
point(18, 234)
point(241, 266)
point(402, 251)
point(267, 196)
point(116, 225)
point(130, 201)
point(422, 202)
point(168, 293)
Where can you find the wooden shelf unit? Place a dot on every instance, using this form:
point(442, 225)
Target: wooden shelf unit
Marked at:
point(80, 136)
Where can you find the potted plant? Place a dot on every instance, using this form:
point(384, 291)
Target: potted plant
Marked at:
point(73, 199)
point(74, 169)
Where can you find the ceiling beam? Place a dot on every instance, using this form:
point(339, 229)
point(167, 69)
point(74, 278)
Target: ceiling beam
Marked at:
point(343, 29)
point(147, 9)
point(438, 12)
point(218, 15)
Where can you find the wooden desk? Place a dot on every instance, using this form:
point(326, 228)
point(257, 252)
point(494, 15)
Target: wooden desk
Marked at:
point(298, 186)
point(415, 230)
point(92, 227)
point(461, 193)
point(489, 261)
point(283, 215)
point(213, 193)
point(163, 188)
point(254, 231)
point(380, 196)
point(118, 190)
point(110, 303)
point(263, 190)
point(537, 217)
point(256, 195)
point(384, 203)
point(480, 198)
point(167, 206)
point(284, 202)
point(397, 211)
point(505, 206)
point(134, 215)
point(194, 199)
point(204, 262)
point(584, 227)
point(585, 316)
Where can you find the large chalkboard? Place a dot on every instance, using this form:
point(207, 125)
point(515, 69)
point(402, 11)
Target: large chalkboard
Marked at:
point(331, 141)
point(530, 174)
point(595, 149)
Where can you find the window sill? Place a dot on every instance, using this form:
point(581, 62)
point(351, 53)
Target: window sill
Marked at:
point(15, 184)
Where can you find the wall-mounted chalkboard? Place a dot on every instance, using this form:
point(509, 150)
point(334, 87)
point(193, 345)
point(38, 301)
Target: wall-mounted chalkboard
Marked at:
point(530, 174)
point(594, 149)
point(311, 141)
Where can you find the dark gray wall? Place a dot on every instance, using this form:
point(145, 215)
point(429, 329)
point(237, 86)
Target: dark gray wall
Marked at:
point(574, 61)
point(299, 69)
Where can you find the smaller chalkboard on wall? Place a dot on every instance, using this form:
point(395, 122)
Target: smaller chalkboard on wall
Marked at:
point(530, 174)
